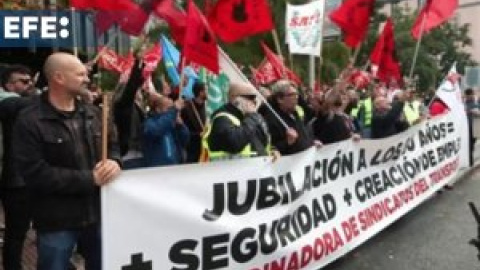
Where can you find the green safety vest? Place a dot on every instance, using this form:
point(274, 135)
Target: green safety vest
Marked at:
point(222, 155)
point(354, 112)
point(367, 104)
point(300, 112)
point(411, 110)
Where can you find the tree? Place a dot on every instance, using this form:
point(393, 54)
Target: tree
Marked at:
point(439, 49)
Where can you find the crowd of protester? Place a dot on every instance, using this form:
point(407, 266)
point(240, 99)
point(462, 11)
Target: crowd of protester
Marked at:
point(51, 153)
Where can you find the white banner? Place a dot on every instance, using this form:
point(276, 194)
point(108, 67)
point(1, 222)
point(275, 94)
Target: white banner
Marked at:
point(304, 28)
point(449, 92)
point(231, 69)
point(300, 212)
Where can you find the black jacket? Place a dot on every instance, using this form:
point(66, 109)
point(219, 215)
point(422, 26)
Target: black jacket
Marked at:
point(278, 131)
point(331, 128)
point(385, 124)
point(189, 117)
point(127, 113)
point(9, 110)
point(225, 136)
point(64, 195)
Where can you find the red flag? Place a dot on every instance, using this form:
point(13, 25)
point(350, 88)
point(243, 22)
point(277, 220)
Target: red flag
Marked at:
point(208, 8)
point(353, 17)
point(127, 63)
point(382, 46)
point(200, 45)
point(274, 65)
point(434, 13)
point(151, 59)
point(104, 20)
point(233, 20)
point(131, 19)
point(264, 74)
point(359, 79)
point(100, 4)
point(109, 60)
point(174, 16)
point(275, 61)
point(134, 21)
point(293, 77)
point(383, 56)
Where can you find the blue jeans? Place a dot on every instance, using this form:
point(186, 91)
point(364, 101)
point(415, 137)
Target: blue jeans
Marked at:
point(56, 248)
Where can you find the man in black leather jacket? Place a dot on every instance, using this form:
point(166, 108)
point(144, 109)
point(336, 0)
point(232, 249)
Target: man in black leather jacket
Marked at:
point(57, 149)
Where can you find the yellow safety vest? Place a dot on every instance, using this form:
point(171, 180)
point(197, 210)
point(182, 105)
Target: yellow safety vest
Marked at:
point(354, 112)
point(222, 155)
point(367, 120)
point(411, 110)
point(300, 112)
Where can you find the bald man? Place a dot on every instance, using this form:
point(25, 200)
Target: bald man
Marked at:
point(57, 144)
point(237, 130)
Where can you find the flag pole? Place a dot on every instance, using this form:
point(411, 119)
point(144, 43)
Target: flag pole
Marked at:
point(290, 58)
point(366, 65)
point(320, 58)
point(265, 101)
point(105, 101)
point(182, 77)
point(279, 50)
point(197, 115)
point(355, 54)
point(311, 70)
point(262, 98)
point(417, 47)
point(277, 42)
point(102, 51)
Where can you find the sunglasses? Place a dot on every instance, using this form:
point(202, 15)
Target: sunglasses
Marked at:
point(24, 81)
point(250, 97)
point(293, 94)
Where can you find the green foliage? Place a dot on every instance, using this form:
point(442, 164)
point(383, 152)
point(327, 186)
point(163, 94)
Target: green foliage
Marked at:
point(438, 50)
point(107, 80)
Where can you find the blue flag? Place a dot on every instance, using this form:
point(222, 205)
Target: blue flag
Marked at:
point(191, 76)
point(171, 59)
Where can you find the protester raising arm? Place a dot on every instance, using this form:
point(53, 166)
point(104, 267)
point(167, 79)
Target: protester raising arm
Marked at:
point(124, 107)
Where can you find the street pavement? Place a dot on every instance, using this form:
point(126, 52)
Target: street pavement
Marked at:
point(433, 236)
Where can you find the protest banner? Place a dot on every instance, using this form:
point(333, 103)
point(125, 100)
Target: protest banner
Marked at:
point(304, 27)
point(300, 212)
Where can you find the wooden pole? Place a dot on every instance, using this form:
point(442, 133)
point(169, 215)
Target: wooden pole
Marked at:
point(279, 50)
point(320, 58)
point(417, 47)
point(366, 65)
point(320, 62)
point(101, 52)
point(355, 54)
point(277, 42)
point(182, 77)
point(290, 58)
point(197, 115)
point(105, 112)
